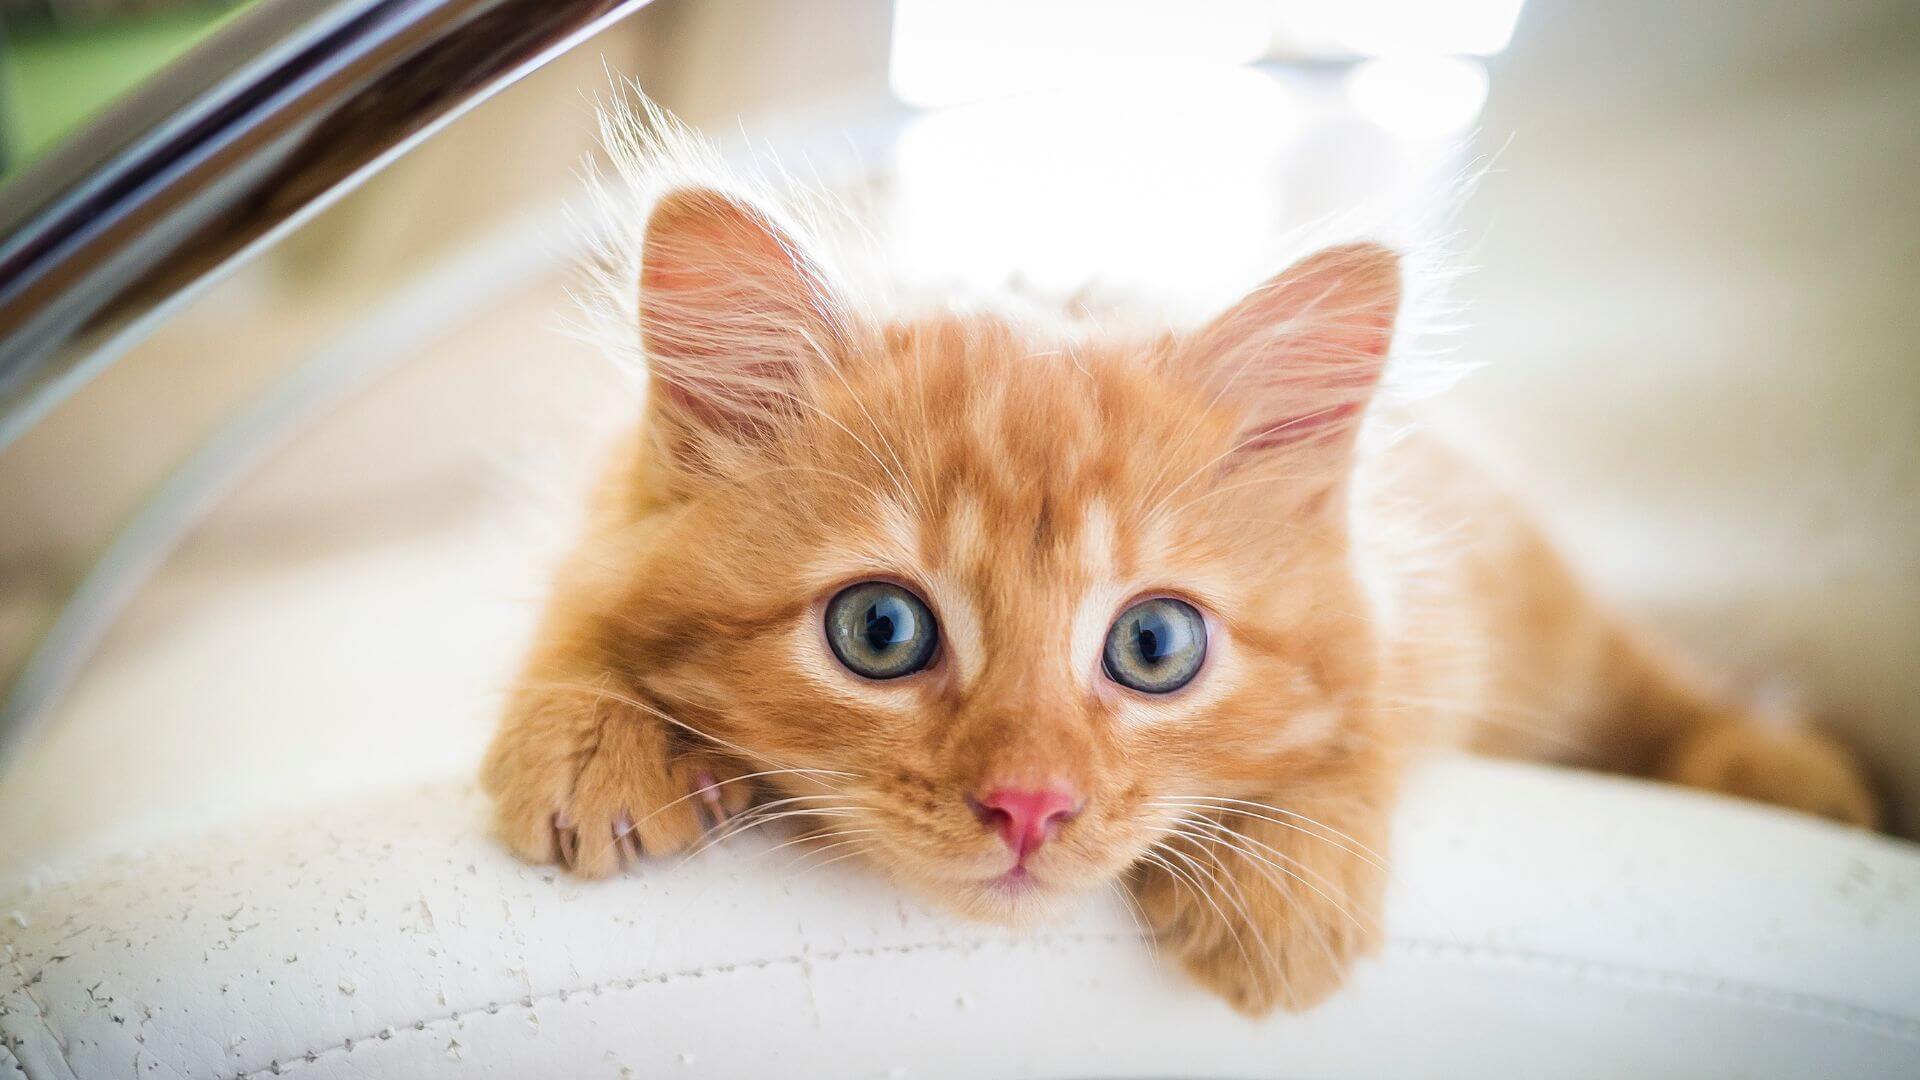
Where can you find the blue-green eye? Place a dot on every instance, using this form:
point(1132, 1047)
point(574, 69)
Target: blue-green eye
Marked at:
point(1156, 646)
point(880, 630)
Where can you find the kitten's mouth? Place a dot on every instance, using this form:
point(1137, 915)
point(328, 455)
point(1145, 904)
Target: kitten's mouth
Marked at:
point(1016, 878)
point(1016, 897)
point(1015, 891)
point(1020, 883)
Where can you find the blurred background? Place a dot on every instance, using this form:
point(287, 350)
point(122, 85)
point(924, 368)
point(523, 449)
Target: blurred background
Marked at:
point(1693, 228)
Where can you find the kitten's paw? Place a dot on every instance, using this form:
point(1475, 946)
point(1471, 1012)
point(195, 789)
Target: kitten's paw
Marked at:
point(1267, 944)
point(619, 813)
point(625, 795)
point(1801, 770)
point(1294, 963)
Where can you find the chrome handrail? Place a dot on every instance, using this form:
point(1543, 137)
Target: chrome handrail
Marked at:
point(286, 108)
point(270, 119)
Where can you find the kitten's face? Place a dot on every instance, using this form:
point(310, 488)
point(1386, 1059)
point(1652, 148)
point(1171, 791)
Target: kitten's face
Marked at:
point(1016, 606)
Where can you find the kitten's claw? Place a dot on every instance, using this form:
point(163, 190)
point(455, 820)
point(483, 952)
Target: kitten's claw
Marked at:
point(711, 797)
point(566, 839)
point(634, 793)
point(624, 839)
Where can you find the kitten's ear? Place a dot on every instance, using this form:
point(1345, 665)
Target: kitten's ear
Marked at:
point(1301, 355)
point(733, 315)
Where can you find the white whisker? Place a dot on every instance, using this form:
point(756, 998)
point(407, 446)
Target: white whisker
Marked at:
point(1338, 839)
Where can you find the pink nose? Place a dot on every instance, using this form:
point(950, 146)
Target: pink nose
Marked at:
point(1026, 818)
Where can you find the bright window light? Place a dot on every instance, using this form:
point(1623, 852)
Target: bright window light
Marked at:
point(1174, 183)
point(1419, 98)
point(1402, 27)
point(950, 52)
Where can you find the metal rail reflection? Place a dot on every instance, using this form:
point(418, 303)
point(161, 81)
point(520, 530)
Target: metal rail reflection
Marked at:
point(263, 124)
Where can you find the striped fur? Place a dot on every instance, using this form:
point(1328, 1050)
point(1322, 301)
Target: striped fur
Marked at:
point(1368, 598)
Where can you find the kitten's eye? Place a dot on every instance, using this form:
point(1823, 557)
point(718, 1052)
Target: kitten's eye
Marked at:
point(1156, 646)
point(881, 630)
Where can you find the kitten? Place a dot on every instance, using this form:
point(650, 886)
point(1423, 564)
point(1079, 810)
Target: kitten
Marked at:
point(1016, 614)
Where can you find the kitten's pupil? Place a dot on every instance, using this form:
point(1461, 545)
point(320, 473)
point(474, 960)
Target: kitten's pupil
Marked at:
point(879, 628)
point(1149, 646)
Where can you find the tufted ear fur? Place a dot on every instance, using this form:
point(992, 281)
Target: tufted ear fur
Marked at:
point(1300, 356)
point(733, 317)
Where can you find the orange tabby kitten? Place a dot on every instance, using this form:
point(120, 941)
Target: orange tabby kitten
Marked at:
point(1015, 612)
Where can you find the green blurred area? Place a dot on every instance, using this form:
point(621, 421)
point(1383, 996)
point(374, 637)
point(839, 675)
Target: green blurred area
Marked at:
point(53, 77)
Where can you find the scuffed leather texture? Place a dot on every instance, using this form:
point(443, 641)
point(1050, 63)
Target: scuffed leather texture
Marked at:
point(1542, 923)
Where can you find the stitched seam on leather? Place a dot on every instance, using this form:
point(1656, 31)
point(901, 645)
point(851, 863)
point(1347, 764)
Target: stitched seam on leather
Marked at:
point(39, 1009)
point(1810, 1006)
point(280, 1067)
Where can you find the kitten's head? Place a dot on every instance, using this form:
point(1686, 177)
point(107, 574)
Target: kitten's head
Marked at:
point(1022, 598)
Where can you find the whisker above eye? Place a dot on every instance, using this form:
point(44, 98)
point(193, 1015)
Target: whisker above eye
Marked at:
point(747, 478)
point(1215, 492)
point(904, 477)
point(1242, 444)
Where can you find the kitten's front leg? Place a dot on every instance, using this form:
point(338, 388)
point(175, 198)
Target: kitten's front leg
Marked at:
point(1268, 904)
point(588, 777)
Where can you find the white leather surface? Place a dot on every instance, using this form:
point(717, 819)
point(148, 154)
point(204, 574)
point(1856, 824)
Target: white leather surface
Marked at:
point(1543, 924)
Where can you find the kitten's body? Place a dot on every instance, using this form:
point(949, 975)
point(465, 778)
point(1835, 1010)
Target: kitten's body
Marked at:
point(1507, 653)
point(1367, 595)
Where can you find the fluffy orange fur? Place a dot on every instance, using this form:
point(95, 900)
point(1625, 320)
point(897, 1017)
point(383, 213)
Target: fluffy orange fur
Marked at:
point(1368, 595)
